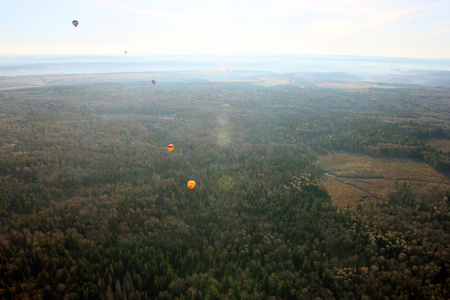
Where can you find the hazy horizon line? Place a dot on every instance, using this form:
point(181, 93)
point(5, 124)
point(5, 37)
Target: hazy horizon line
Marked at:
point(226, 55)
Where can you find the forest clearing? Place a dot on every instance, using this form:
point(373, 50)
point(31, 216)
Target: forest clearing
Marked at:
point(440, 144)
point(353, 179)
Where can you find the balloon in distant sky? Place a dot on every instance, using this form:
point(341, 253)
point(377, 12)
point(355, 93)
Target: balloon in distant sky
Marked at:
point(126, 52)
point(170, 147)
point(75, 23)
point(191, 184)
point(154, 82)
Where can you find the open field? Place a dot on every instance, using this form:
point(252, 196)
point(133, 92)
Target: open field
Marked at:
point(263, 81)
point(329, 81)
point(353, 85)
point(352, 179)
point(16, 82)
point(440, 144)
point(303, 80)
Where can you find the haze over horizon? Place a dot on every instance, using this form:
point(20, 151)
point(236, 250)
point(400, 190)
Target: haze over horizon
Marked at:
point(16, 65)
point(326, 27)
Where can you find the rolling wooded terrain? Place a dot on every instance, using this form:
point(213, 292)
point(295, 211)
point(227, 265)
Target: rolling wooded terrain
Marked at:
point(92, 205)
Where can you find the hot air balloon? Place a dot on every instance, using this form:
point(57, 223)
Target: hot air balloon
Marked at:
point(126, 52)
point(191, 184)
point(154, 82)
point(75, 23)
point(170, 147)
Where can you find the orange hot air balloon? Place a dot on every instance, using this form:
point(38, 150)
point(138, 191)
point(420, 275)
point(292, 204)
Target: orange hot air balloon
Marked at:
point(191, 184)
point(75, 23)
point(170, 147)
point(126, 52)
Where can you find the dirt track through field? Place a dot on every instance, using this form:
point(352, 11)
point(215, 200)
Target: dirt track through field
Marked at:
point(352, 178)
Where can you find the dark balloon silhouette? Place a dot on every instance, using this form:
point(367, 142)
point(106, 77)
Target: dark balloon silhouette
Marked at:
point(75, 23)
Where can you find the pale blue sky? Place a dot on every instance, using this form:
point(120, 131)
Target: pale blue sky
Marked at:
point(404, 28)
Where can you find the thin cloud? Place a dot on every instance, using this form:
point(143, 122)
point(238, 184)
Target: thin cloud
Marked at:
point(352, 24)
point(169, 14)
point(437, 32)
point(346, 9)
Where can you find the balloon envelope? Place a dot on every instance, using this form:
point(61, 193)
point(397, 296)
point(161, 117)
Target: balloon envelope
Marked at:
point(191, 184)
point(75, 23)
point(126, 52)
point(154, 82)
point(170, 147)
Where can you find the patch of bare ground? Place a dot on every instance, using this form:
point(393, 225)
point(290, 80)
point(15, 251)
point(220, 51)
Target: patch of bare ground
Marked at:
point(353, 85)
point(18, 82)
point(440, 144)
point(352, 179)
point(264, 81)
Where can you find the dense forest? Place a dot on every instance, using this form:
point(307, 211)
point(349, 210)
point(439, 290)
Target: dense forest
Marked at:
point(94, 206)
